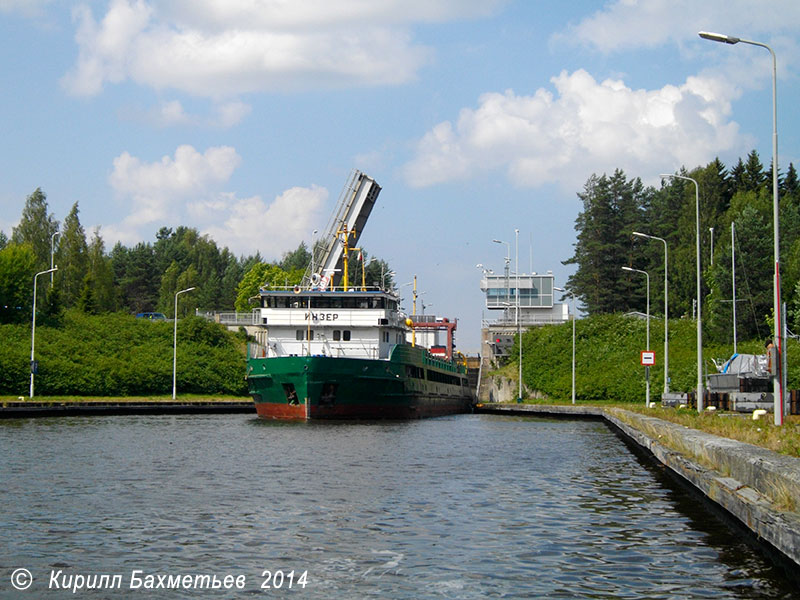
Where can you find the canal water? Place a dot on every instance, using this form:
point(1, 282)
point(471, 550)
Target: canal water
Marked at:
point(469, 506)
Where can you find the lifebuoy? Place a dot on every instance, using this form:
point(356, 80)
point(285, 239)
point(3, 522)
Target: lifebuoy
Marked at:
point(297, 289)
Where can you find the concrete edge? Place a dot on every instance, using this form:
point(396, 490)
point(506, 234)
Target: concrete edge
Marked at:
point(11, 410)
point(736, 476)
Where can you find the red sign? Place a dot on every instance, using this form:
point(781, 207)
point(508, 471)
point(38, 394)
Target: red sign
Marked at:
point(648, 358)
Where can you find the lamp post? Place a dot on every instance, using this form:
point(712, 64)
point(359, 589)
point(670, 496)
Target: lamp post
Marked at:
point(508, 264)
point(711, 257)
point(175, 344)
point(572, 301)
point(647, 369)
point(519, 331)
point(313, 233)
point(52, 254)
point(666, 309)
point(779, 379)
point(699, 316)
point(33, 324)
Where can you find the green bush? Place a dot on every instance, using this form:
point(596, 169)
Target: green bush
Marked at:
point(607, 358)
point(119, 355)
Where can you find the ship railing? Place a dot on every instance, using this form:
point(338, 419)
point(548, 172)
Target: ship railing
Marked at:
point(523, 321)
point(232, 318)
point(330, 288)
point(256, 350)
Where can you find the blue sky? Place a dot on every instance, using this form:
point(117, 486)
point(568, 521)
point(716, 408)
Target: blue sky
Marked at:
point(243, 118)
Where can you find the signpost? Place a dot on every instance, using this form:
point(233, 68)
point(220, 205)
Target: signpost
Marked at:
point(648, 358)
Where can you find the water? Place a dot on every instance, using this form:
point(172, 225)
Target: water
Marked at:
point(470, 506)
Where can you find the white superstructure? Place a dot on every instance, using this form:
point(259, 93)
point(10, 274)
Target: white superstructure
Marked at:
point(353, 324)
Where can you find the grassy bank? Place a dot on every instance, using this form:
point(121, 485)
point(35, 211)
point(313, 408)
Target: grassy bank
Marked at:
point(117, 355)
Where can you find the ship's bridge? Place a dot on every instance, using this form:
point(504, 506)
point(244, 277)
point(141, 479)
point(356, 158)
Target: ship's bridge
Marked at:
point(355, 323)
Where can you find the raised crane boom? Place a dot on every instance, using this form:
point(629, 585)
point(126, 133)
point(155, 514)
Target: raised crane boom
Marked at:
point(352, 211)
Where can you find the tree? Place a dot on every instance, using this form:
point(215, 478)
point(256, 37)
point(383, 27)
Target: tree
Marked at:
point(754, 176)
point(613, 207)
point(261, 275)
point(72, 259)
point(98, 285)
point(790, 183)
point(3, 240)
point(298, 259)
point(17, 268)
point(136, 276)
point(36, 228)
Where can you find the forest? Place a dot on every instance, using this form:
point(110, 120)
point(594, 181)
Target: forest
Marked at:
point(142, 278)
point(92, 280)
point(733, 203)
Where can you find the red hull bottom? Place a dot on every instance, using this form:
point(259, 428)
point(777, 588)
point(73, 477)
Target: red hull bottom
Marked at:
point(360, 411)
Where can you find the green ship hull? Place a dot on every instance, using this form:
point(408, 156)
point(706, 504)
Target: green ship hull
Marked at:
point(410, 384)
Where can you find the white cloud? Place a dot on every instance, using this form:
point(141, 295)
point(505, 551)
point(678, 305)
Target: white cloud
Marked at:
point(156, 191)
point(221, 48)
point(172, 113)
point(250, 224)
point(626, 24)
point(587, 127)
point(187, 189)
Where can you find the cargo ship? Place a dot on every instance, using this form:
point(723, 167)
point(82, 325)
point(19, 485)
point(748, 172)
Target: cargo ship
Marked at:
point(326, 350)
point(340, 355)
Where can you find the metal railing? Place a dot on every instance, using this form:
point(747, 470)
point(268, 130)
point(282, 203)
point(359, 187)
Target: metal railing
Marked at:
point(233, 318)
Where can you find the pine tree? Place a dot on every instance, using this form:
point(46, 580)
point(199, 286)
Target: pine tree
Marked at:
point(613, 207)
point(100, 276)
point(754, 177)
point(72, 259)
point(36, 228)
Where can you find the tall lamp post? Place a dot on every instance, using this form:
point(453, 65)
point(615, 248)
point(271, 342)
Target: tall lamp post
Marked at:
point(699, 317)
point(572, 301)
point(519, 332)
point(33, 324)
point(52, 254)
point(175, 344)
point(779, 379)
point(666, 309)
point(647, 369)
point(508, 263)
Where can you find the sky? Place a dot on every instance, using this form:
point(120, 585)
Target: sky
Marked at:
point(244, 119)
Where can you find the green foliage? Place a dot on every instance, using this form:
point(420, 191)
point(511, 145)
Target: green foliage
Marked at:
point(607, 358)
point(72, 259)
point(263, 275)
point(36, 228)
point(17, 268)
point(119, 355)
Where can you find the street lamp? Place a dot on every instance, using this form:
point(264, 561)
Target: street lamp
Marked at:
point(313, 233)
point(175, 343)
point(508, 263)
point(779, 379)
point(519, 331)
point(699, 317)
point(52, 253)
point(666, 309)
point(572, 301)
point(33, 324)
point(647, 369)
